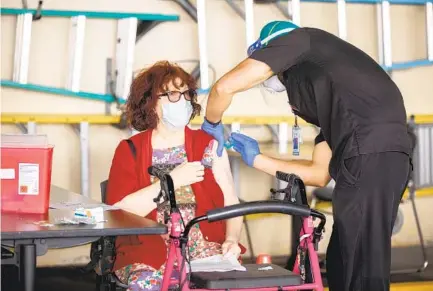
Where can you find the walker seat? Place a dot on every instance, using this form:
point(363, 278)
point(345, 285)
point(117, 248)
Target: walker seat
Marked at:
point(256, 276)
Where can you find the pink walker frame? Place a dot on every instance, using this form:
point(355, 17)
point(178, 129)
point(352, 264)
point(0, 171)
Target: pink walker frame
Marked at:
point(308, 232)
point(174, 255)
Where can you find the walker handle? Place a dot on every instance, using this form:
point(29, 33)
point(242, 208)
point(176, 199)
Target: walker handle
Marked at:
point(257, 207)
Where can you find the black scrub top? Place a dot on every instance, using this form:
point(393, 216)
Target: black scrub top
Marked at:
point(336, 86)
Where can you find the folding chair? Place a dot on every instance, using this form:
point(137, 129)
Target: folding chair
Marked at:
point(102, 257)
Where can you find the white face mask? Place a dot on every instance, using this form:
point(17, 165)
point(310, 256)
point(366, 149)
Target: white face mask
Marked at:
point(274, 85)
point(176, 115)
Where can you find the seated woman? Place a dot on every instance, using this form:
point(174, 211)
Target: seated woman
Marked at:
point(161, 103)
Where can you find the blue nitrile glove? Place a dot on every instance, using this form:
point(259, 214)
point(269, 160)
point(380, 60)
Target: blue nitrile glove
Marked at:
point(217, 131)
point(246, 146)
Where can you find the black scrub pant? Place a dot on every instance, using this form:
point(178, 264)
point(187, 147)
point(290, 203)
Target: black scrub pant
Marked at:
point(366, 197)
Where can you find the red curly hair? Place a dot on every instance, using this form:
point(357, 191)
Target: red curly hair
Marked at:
point(143, 96)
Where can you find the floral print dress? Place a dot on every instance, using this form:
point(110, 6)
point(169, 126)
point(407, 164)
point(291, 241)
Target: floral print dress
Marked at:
point(140, 276)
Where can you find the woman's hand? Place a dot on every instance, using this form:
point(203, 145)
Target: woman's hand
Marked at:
point(231, 247)
point(187, 173)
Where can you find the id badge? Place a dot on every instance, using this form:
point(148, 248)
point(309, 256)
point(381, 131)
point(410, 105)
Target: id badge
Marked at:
point(296, 137)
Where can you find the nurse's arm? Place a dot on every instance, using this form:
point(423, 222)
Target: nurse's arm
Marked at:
point(313, 172)
point(246, 75)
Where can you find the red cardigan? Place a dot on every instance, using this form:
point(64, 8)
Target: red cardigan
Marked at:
point(128, 175)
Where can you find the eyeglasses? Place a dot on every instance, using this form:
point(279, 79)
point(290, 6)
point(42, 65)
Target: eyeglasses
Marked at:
point(174, 96)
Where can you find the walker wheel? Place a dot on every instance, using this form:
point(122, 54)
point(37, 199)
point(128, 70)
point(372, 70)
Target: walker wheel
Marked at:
point(398, 224)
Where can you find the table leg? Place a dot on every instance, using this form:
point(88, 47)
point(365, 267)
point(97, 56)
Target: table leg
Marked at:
point(27, 266)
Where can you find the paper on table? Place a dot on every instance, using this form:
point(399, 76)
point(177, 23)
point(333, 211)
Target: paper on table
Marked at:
point(97, 212)
point(75, 205)
point(217, 263)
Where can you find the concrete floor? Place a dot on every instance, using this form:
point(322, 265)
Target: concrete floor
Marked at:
point(71, 278)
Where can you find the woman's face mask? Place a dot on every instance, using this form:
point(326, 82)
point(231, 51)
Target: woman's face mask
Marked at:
point(274, 85)
point(176, 115)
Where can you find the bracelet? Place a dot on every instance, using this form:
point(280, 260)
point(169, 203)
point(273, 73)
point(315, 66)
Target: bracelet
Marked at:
point(214, 124)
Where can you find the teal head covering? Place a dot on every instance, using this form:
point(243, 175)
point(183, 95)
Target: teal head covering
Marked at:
point(271, 31)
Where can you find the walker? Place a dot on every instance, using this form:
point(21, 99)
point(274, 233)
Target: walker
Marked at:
point(259, 277)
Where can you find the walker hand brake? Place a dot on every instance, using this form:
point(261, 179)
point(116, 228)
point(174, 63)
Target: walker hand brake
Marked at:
point(283, 195)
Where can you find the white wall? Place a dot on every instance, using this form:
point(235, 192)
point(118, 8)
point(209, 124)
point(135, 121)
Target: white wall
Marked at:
point(176, 41)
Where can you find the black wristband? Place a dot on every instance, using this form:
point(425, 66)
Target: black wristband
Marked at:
point(214, 124)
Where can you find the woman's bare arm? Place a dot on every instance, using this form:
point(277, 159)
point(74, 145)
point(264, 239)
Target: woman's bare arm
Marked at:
point(223, 176)
point(140, 202)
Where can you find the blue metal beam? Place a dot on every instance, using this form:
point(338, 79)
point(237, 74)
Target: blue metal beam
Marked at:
point(59, 91)
point(203, 91)
point(396, 2)
point(408, 65)
point(92, 14)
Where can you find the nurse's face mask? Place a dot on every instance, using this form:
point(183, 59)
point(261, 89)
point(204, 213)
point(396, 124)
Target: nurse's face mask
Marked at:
point(176, 108)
